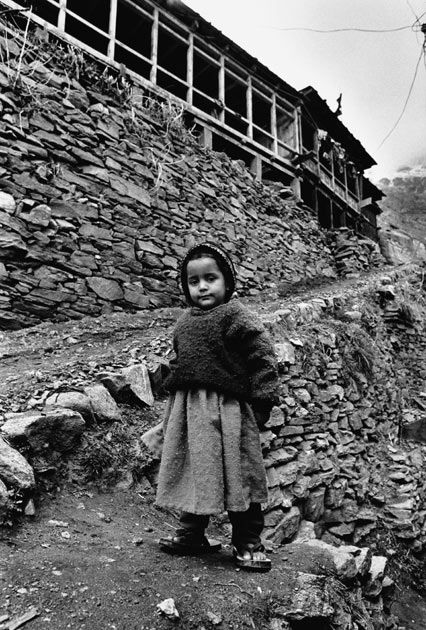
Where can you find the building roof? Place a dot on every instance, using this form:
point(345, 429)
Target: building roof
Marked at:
point(372, 190)
point(327, 120)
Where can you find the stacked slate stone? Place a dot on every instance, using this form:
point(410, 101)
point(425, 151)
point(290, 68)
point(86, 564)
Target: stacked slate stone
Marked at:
point(103, 189)
point(353, 254)
point(332, 423)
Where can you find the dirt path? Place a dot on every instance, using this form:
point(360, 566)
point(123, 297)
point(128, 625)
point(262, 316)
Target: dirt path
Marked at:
point(71, 354)
point(55, 355)
point(91, 561)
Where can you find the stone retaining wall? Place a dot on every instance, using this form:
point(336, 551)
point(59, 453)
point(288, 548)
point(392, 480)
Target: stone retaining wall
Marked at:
point(102, 188)
point(332, 449)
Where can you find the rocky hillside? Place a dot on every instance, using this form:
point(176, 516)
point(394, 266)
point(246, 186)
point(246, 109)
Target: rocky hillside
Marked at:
point(404, 206)
point(347, 497)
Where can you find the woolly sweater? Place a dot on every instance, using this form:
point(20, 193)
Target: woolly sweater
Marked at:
point(225, 349)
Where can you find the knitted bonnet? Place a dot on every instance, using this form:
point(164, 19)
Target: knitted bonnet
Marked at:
point(223, 262)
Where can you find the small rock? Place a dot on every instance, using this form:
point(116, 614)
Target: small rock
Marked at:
point(214, 619)
point(14, 468)
point(30, 508)
point(54, 523)
point(168, 608)
point(7, 202)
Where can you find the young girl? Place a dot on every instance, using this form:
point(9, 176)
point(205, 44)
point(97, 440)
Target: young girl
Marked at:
point(223, 384)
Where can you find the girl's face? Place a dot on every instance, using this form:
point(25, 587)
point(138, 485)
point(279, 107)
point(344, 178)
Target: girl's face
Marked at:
point(206, 283)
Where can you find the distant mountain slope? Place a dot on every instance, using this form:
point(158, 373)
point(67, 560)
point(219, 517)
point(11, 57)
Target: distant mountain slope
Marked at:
point(404, 206)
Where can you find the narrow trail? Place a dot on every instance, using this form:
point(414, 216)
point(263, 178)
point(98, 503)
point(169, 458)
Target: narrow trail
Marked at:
point(35, 358)
point(90, 560)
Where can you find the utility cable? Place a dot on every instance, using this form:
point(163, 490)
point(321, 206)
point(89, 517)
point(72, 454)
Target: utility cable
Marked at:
point(412, 10)
point(422, 52)
point(340, 30)
point(417, 22)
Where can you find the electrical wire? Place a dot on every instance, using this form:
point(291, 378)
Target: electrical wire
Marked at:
point(340, 30)
point(422, 52)
point(412, 10)
point(417, 22)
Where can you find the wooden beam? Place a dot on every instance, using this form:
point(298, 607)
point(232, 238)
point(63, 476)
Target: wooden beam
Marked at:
point(154, 47)
point(274, 128)
point(190, 68)
point(206, 137)
point(250, 107)
point(298, 123)
point(62, 14)
point(256, 167)
point(296, 187)
point(222, 87)
point(112, 28)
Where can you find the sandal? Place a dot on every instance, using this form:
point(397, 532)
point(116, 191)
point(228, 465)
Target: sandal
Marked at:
point(251, 564)
point(182, 545)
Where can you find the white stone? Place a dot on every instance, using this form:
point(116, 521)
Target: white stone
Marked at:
point(377, 568)
point(102, 403)
point(137, 378)
point(73, 400)
point(285, 353)
point(4, 498)
point(7, 202)
point(306, 532)
point(14, 468)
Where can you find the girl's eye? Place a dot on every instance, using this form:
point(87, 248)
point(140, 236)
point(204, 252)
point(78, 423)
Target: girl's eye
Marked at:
point(192, 281)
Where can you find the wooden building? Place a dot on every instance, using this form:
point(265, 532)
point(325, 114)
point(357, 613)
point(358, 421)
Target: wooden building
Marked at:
point(333, 162)
point(235, 103)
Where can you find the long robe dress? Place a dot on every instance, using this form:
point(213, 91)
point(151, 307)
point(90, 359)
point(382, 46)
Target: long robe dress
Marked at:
point(212, 459)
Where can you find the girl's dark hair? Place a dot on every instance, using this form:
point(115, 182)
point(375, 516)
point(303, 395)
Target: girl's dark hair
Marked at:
point(223, 262)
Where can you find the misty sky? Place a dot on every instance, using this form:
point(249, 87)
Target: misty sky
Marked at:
point(373, 71)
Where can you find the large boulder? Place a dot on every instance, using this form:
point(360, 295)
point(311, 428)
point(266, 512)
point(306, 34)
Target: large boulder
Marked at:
point(53, 428)
point(132, 384)
point(347, 562)
point(139, 383)
point(73, 400)
point(15, 471)
point(94, 403)
point(102, 403)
